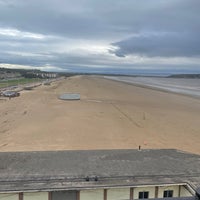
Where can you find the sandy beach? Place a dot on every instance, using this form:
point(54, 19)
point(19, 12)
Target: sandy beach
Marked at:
point(110, 115)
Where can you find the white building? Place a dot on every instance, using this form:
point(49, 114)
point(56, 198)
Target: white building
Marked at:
point(99, 175)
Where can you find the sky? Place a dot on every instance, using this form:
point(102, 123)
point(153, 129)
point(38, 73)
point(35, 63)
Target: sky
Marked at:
point(114, 36)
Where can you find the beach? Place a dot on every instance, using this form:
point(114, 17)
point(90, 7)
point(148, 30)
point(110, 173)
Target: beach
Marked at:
point(109, 115)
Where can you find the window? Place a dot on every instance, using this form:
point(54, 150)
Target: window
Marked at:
point(168, 193)
point(143, 195)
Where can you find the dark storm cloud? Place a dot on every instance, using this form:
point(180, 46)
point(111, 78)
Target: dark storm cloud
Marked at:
point(36, 32)
point(64, 18)
point(182, 44)
point(89, 18)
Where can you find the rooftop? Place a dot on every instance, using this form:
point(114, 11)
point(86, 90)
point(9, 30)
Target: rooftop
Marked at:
point(68, 169)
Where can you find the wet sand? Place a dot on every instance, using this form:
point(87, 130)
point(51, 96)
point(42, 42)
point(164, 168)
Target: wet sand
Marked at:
point(110, 115)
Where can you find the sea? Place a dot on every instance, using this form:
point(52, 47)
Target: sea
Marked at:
point(186, 86)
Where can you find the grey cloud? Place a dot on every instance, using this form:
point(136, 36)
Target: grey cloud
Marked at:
point(96, 19)
point(63, 60)
point(164, 28)
point(182, 44)
point(64, 18)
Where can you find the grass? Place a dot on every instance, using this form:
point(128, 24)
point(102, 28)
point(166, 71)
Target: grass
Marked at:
point(8, 83)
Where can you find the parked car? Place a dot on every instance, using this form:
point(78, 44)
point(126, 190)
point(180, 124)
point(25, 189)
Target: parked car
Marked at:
point(10, 94)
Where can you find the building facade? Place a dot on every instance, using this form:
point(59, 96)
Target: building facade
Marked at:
point(99, 175)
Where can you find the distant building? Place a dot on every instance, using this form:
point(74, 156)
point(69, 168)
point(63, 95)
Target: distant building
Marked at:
point(45, 74)
point(99, 175)
point(11, 75)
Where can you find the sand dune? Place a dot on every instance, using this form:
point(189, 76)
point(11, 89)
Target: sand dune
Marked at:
point(110, 115)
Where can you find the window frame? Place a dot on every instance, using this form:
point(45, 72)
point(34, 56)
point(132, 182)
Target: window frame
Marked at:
point(168, 193)
point(144, 194)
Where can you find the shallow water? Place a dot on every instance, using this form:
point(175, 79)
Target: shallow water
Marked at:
point(177, 85)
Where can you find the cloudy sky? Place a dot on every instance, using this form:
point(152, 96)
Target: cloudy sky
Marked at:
point(101, 35)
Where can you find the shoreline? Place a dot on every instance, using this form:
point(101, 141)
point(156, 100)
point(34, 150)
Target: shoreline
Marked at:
point(154, 88)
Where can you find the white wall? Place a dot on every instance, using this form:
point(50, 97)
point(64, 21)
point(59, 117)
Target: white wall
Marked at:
point(95, 194)
point(112, 193)
point(36, 196)
point(175, 189)
point(184, 192)
point(118, 194)
point(9, 196)
point(151, 191)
